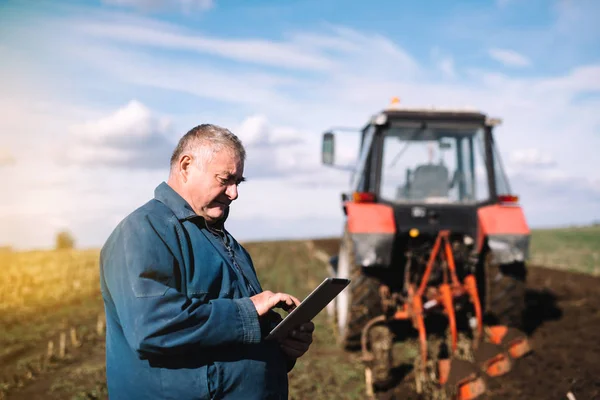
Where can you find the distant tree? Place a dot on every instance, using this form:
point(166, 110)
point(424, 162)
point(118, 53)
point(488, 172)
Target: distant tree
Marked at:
point(64, 240)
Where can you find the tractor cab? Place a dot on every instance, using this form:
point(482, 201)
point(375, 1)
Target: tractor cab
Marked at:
point(427, 156)
point(440, 167)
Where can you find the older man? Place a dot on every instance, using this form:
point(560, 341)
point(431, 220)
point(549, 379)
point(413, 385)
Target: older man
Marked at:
point(186, 314)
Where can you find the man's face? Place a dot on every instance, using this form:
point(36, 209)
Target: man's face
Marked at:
point(214, 186)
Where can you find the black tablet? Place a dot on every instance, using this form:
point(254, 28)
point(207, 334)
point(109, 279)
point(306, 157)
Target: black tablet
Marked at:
point(310, 307)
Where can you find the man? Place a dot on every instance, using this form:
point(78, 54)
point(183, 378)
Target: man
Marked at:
point(185, 313)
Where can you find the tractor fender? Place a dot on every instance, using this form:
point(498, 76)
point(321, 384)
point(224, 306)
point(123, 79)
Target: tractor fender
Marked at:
point(505, 231)
point(372, 228)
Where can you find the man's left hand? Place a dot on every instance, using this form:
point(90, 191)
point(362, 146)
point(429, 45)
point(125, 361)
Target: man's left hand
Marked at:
point(298, 340)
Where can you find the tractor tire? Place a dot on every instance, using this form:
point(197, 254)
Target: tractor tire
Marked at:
point(504, 293)
point(359, 302)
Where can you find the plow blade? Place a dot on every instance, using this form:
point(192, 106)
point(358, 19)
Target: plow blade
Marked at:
point(492, 359)
point(461, 379)
point(512, 340)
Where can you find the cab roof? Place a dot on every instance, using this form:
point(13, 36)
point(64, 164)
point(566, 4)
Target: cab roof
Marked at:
point(433, 114)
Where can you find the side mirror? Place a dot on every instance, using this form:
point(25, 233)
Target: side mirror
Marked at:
point(328, 150)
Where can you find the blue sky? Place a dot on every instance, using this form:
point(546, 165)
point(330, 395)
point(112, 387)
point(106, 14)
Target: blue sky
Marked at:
point(96, 94)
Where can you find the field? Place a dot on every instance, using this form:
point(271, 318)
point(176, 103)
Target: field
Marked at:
point(570, 249)
point(52, 344)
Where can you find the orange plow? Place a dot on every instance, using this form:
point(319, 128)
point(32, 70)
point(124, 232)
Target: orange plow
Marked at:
point(511, 340)
point(492, 349)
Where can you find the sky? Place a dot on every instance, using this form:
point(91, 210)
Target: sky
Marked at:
point(95, 95)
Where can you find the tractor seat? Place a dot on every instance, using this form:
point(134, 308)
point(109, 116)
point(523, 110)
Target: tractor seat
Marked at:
point(429, 181)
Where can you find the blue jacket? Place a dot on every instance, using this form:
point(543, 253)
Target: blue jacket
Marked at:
point(179, 320)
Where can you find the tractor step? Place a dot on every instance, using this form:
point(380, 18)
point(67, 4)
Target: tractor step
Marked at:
point(461, 379)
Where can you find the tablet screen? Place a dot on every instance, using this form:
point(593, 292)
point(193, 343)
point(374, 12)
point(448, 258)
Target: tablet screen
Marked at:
point(310, 307)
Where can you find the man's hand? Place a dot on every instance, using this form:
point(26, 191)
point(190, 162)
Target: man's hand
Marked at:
point(298, 340)
point(267, 300)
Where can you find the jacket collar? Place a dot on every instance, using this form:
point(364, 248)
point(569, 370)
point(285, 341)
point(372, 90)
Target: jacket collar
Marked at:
point(169, 197)
point(181, 208)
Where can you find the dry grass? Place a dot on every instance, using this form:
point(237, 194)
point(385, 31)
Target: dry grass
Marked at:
point(36, 280)
point(43, 294)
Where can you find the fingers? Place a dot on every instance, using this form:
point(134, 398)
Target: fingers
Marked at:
point(295, 300)
point(290, 301)
point(267, 300)
point(307, 327)
point(296, 347)
point(299, 336)
point(283, 300)
point(286, 302)
point(303, 332)
point(298, 340)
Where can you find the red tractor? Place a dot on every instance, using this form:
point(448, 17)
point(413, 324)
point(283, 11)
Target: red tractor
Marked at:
point(435, 243)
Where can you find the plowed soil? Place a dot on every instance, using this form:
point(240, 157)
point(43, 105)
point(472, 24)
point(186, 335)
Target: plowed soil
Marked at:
point(563, 323)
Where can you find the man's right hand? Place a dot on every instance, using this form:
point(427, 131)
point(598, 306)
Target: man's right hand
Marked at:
point(267, 300)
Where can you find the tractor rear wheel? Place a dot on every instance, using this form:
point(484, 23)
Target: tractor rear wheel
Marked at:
point(359, 302)
point(504, 292)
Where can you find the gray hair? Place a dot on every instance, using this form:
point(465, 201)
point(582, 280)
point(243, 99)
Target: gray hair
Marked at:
point(204, 141)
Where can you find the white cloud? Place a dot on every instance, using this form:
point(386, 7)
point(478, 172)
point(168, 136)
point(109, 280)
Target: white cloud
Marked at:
point(131, 137)
point(509, 58)
point(274, 151)
point(554, 198)
point(585, 78)
point(156, 5)
point(256, 131)
point(6, 158)
point(349, 96)
point(199, 79)
point(313, 80)
point(338, 48)
point(372, 54)
point(560, 182)
point(265, 52)
point(532, 158)
point(370, 68)
point(304, 228)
